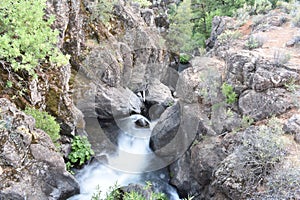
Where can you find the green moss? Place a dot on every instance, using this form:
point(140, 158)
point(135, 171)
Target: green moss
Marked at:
point(45, 122)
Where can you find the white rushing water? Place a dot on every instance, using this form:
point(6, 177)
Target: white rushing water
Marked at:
point(126, 165)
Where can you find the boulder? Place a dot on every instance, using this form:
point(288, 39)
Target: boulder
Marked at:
point(175, 131)
point(31, 168)
point(192, 173)
point(116, 102)
point(142, 123)
point(166, 128)
point(158, 93)
point(292, 126)
point(219, 24)
point(181, 176)
point(260, 105)
point(200, 82)
point(246, 70)
point(155, 111)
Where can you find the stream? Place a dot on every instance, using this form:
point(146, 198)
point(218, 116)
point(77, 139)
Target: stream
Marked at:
point(122, 156)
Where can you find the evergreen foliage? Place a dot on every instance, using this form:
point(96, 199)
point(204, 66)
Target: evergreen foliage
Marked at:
point(26, 39)
point(179, 37)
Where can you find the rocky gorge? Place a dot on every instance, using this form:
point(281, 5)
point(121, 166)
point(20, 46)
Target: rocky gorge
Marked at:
point(212, 148)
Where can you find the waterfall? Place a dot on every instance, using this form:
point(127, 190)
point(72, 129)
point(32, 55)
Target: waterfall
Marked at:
point(126, 165)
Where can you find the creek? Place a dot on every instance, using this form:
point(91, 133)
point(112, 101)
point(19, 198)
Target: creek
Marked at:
point(122, 156)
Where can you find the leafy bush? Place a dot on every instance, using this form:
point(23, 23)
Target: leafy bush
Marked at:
point(254, 42)
point(102, 10)
point(114, 193)
point(26, 37)
point(296, 20)
point(45, 122)
point(285, 6)
point(184, 58)
point(81, 151)
point(262, 6)
point(228, 36)
point(228, 92)
point(143, 3)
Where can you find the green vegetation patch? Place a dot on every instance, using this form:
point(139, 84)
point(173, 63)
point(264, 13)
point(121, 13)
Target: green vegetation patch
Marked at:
point(228, 92)
point(80, 153)
point(26, 38)
point(46, 122)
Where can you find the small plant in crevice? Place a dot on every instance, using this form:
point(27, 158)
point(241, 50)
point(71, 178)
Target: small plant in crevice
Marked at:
point(280, 58)
point(46, 122)
point(254, 42)
point(184, 58)
point(292, 86)
point(81, 152)
point(229, 93)
point(247, 121)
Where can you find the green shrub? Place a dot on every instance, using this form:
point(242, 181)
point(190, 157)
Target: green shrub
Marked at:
point(262, 6)
point(184, 58)
point(143, 3)
point(102, 11)
point(81, 151)
point(114, 193)
point(228, 92)
point(254, 42)
point(45, 122)
point(26, 37)
point(296, 20)
point(281, 58)
point(228, 36)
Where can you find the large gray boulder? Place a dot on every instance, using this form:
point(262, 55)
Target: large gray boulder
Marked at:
point(158, 93)
point(201, 82)
point(30, 166)
point(175, 131)
point(166, 128)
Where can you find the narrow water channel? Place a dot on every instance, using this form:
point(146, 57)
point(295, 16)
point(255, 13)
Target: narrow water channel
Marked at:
point(122, 156)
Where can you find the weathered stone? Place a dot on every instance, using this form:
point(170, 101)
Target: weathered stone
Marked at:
point(181, 176)
point(219, 24)
point(175, 131)
point(148, 16)
point(33, 169)
point(142, 123)
point(155, 111)
point(200, 82)
point(116, 102)
point(292, 126)
point(158, 93)
point(260, 105)
point(166, 128)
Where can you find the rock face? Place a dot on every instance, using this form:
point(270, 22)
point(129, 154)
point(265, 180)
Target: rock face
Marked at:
point(212, 168)
point(114, 66)
point(260, 105)
point(292, 126)
point(30, 166)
